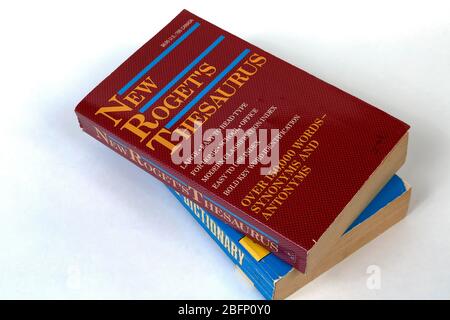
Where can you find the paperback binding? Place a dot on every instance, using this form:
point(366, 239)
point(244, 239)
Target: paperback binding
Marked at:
point(274, 278)
point(335, 151)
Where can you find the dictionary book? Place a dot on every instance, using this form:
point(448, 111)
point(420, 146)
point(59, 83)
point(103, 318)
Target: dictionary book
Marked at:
point(271, 150)
point(274, 278)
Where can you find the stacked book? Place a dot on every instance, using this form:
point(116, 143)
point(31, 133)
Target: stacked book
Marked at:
point(276, 279)
point(287, 173)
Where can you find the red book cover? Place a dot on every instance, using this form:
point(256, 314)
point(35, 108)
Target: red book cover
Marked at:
point(200, 84)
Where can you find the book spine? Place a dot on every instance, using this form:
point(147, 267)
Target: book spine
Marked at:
point(281, 247)
point(230, 241)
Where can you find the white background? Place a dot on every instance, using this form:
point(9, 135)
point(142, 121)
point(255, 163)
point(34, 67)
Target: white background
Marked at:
point(78, 221)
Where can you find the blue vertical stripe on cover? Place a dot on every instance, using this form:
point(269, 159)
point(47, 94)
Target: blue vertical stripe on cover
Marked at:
point(181, 74)
point(158, 58)
point(207, 88)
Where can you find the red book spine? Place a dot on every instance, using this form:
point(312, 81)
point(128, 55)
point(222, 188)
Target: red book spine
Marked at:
point(279, 246)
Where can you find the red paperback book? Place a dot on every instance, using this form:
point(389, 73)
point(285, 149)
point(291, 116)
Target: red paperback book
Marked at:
point(335, 151)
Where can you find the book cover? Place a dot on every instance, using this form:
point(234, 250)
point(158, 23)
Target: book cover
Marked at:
point(194, 83)
point(262, 267)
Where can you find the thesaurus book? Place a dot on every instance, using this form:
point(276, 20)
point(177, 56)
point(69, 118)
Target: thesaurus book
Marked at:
point(274, 278)
point(272, 151)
